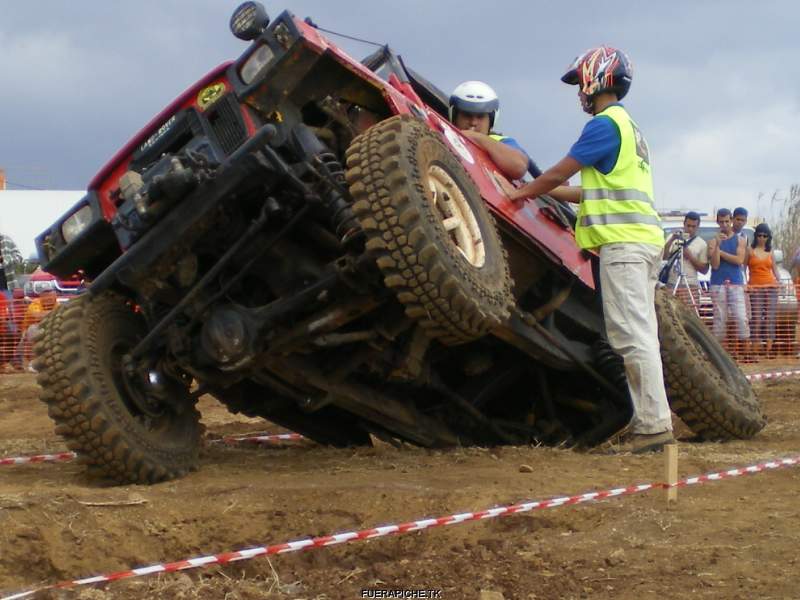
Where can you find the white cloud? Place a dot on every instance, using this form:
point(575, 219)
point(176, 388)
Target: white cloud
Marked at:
point(727, 159)
point(24, 214)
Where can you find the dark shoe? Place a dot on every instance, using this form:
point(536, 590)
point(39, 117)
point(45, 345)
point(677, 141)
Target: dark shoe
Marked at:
point(643, 443)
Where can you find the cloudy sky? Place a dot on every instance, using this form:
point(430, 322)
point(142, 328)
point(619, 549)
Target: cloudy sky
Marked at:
point(716, 84)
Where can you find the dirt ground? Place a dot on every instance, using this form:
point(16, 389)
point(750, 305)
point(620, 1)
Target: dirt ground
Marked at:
point(733, 539)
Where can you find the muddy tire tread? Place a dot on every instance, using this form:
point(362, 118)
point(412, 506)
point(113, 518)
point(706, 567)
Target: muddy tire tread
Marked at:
point(76, 394)
point(386, 184)
point(697, 392)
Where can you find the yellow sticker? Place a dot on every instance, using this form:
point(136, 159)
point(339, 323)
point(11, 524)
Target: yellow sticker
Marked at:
point(209, 95)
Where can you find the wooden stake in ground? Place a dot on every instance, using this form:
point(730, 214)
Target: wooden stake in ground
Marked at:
point(671, 472)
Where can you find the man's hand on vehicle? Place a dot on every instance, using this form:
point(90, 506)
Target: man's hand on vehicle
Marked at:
point(555, 177)
point(505, 184)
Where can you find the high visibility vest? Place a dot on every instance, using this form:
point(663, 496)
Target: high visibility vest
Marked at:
point(619, 206)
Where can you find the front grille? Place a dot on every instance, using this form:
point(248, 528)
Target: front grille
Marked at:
point(226, 121)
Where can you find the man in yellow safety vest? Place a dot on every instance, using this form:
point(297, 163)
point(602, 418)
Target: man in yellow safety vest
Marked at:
point(617, 218)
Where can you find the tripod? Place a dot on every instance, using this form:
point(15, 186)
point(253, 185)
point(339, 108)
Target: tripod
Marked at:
point(675, 262)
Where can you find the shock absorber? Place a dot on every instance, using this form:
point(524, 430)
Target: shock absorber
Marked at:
point(337, 197)
point(332, 185)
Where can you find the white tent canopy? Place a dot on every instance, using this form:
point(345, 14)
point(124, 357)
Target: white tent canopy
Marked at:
point(24, 214)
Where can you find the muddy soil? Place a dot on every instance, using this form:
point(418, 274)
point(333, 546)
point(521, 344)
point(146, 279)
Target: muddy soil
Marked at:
point(732, 539)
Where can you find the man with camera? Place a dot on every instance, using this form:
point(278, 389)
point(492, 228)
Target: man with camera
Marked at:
point(694, 252)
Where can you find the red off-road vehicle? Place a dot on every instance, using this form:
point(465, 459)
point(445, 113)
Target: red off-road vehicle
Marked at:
point(308, 239)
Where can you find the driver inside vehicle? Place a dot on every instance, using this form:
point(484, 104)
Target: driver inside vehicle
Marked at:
point(474, 107)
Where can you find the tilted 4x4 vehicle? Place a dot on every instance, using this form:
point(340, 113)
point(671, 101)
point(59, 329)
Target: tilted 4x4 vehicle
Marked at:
point(308, 239)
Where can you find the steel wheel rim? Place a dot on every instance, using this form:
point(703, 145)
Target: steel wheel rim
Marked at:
point(456, 216)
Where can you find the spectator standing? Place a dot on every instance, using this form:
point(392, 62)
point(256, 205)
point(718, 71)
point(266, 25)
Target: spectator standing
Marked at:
point(763, 289)
point(795, 269)
point(7, 339)
point(35, 312)
point(17, 309)
point(695, 253)
point(726, 253)
point(739, 221)
point(16, 312)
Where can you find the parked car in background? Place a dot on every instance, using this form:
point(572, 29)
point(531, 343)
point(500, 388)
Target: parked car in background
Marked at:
point(41, 281)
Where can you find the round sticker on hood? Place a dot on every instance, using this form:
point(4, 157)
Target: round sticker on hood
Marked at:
point(458, 145)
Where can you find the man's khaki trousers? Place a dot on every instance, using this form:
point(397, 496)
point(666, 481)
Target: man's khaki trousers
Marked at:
point(628, 274)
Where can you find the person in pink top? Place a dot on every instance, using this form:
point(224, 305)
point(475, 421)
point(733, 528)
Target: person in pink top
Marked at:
point(763, 290)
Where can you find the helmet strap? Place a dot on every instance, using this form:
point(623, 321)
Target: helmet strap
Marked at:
point(587, 103)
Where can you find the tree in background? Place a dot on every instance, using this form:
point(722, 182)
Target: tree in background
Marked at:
point(786, 231)
point(11, 262)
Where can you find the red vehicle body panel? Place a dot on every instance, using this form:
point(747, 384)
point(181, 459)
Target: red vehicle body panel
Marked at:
point(531, 220)
point(109, 174)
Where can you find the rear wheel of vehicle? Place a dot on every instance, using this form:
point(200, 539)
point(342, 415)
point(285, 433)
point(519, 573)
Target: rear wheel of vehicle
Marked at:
point(426, 223)
point(102, 412)
point(705, 386)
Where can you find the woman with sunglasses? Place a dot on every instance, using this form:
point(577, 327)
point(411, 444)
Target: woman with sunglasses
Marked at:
point(763, 290)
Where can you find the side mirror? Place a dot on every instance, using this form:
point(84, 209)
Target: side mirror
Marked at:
point(249, 20)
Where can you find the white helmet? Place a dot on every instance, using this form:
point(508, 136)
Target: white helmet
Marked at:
point(475, 97)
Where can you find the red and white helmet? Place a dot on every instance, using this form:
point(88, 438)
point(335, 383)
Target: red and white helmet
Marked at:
point(602, 69)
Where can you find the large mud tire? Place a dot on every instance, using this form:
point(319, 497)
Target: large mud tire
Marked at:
point(705, 387)
point(77, 356)
point(454, 282)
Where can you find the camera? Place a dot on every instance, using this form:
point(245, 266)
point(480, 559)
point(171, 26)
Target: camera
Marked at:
point(681, 237)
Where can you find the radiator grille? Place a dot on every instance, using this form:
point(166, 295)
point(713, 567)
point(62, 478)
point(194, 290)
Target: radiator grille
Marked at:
point(226, 121)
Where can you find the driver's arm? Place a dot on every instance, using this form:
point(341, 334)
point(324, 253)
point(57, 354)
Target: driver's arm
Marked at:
point(512, 162)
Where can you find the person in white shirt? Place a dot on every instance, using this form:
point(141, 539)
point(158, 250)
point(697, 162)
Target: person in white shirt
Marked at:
point(695, 252)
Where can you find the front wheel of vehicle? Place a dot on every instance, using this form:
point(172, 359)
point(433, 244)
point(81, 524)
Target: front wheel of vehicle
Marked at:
point(429, 229)
point(105, 414)
point(705, 387)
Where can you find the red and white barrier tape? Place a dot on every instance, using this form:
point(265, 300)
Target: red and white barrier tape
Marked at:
point(229, 440)
point(37, 458)
point(772, 375)
point(365, 534)
point(258, 439)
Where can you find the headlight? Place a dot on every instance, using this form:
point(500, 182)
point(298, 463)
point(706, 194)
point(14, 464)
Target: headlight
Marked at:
point(249, 20)
point(257, 61)
point(76, 223)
